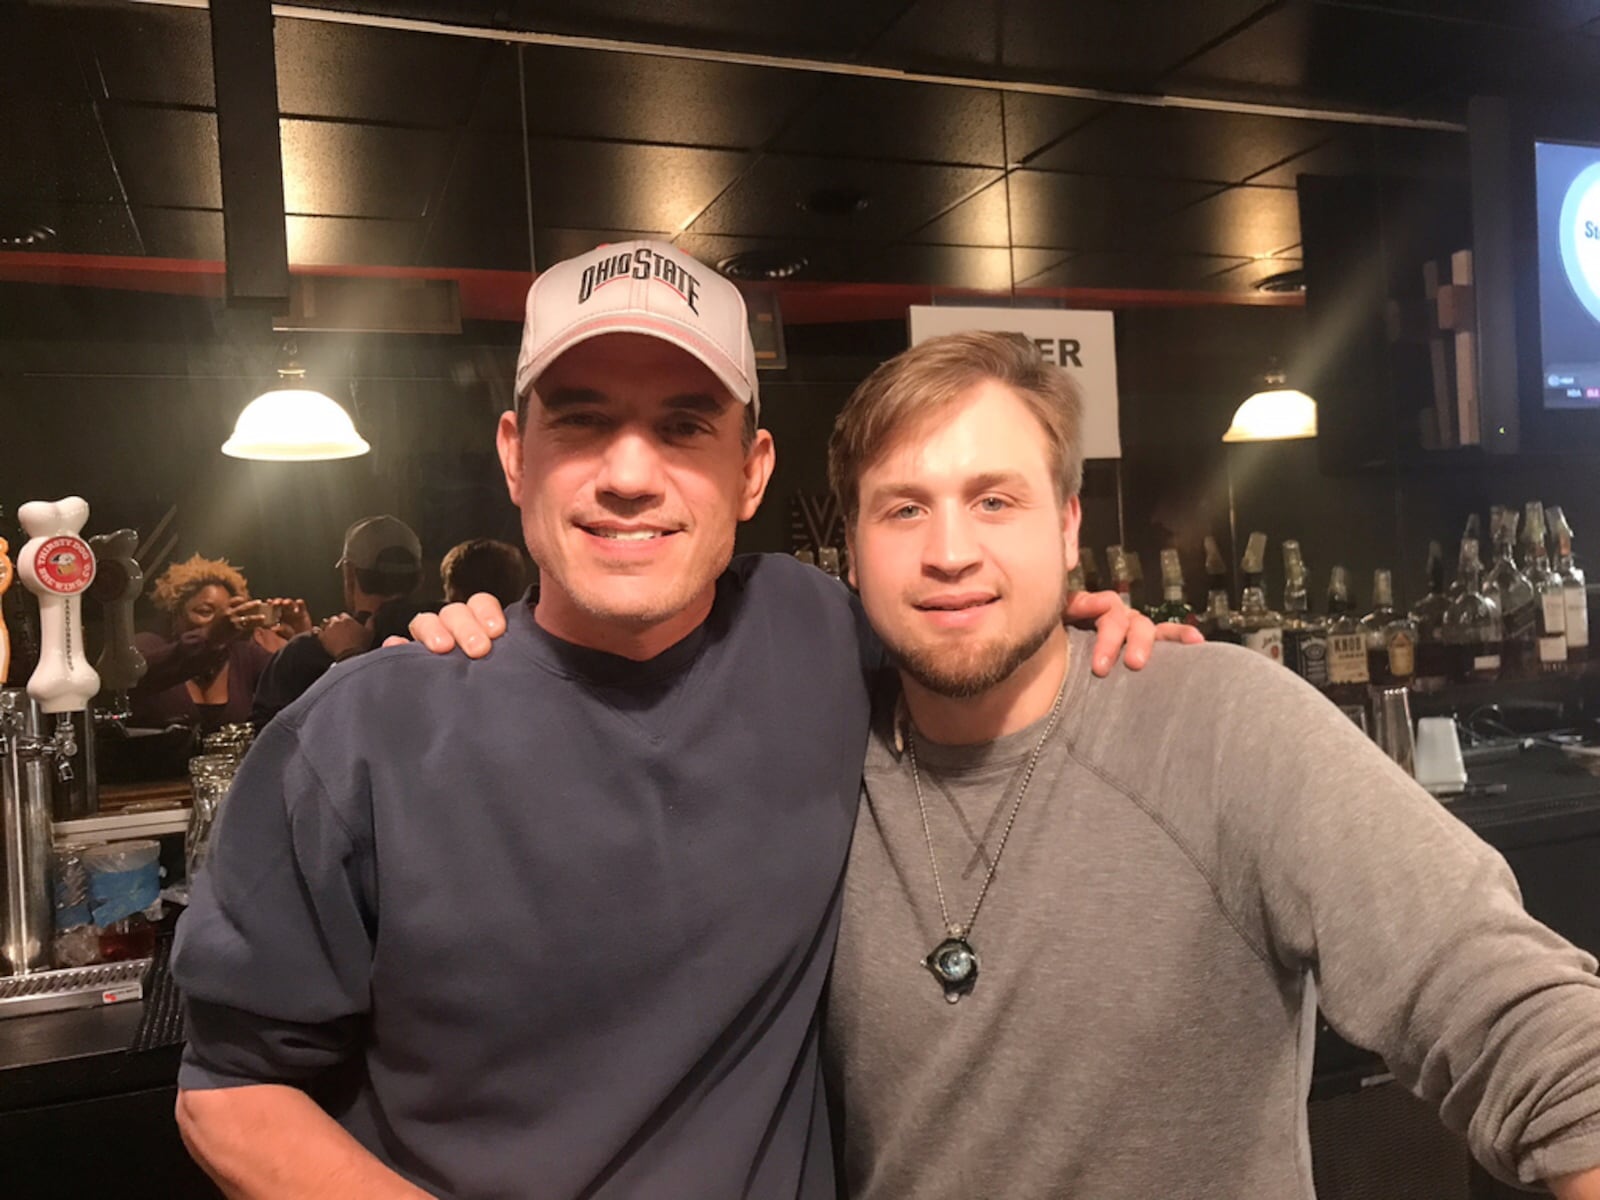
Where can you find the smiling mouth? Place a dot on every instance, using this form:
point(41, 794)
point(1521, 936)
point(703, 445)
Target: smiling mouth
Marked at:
point(627, 535)
point(956, 605)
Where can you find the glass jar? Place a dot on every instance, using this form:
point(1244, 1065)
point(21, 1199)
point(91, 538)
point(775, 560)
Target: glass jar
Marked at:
point(210, 777)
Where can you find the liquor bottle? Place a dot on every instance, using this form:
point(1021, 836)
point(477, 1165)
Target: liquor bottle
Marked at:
point(1305, 635)
point(1514, 596)
point(1547, 585)
point(1434, 657)
point(1136, 581)
point(1470, 531)
point(1391, 636)
point(1575, 588)
point(1173, 607)
point(1472, 628)
point(1262, 628)
point(1091, 569)
point(1347, 651)
point(1121, 573)
point(1217, 623)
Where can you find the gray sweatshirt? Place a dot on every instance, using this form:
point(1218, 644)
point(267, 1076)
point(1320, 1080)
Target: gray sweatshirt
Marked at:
point(1206, 852)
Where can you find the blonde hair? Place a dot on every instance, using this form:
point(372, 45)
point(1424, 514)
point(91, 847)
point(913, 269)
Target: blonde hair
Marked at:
point(919, 384)
point(182, 580)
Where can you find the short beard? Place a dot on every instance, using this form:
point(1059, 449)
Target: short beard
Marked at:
point(972, 672)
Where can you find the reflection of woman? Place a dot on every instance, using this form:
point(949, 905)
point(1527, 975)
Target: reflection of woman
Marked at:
point(206, 672)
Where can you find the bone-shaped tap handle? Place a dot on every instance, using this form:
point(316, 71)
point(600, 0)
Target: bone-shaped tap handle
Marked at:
point(56, 565)
point(7, 574)
point(118, 580)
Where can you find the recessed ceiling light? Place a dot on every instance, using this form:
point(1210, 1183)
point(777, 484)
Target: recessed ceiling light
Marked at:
point(1284, 282)
point(25, 237)
point(764, 265)
point(836, 201)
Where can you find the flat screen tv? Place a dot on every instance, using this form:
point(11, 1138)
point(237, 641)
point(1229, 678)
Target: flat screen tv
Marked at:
point(1536, 250)
point(1567, 208)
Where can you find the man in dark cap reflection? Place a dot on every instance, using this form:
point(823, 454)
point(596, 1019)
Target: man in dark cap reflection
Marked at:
point(381, 566)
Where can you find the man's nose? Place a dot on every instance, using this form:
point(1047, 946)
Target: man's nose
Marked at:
point(952, 547)
point(631, 466)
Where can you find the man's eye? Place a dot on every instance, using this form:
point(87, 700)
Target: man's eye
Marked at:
point(579, 420)
point(686, 429)
point(993, 504)
point(904, 513)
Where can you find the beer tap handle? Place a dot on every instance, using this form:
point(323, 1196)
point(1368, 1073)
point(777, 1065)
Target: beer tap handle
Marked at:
point(56, 565)
point(7, 574)
point(118, 580)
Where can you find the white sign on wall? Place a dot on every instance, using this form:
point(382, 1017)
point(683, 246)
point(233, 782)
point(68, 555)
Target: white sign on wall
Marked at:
point(1084, 343)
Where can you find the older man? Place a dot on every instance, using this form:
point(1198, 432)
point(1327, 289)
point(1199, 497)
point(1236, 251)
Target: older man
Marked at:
point(555, 924)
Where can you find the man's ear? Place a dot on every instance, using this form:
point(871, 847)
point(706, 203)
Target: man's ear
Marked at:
point(758, 463)
point(850, 552)
point(1071, 526)
point(508, 441)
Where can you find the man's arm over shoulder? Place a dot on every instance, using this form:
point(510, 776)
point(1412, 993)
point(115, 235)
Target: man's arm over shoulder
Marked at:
point(1413, 926)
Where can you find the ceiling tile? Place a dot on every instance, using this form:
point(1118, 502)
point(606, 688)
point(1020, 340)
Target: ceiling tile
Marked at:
point(166, 156)
point(1176, 143)
point(1245, 222)
point(335, 169)
point(36, 56)
point(181, 233)
point(900, 197)
point(1243, 277)
point(1137, 270)
point(338, 241)
point(1028, 262)
point(1542, 14)
point(54, 151)
point(979, 221)
point(883, 118)
point(554, 245)
point(1316, 54)
point(152, 53)
point(1086, 212)
point(605, 185)
point(1033, 122)
point(631, 97)
point(837, 262)
point(825, 28)
point(1108, 43)
point(360, 74)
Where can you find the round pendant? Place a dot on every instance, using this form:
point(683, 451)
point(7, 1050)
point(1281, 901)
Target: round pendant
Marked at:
point(954, 963)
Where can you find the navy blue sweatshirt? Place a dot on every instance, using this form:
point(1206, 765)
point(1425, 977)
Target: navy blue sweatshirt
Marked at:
point(552, 923)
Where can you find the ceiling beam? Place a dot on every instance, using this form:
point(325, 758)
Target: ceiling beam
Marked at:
point(819, 66)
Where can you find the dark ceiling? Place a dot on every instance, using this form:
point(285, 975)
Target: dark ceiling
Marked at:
point(404, 148)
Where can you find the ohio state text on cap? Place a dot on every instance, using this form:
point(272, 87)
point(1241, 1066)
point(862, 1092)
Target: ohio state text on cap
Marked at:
point(639, 287)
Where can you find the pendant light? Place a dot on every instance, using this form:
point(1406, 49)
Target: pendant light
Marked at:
point(1276, 413)
point(294, 423)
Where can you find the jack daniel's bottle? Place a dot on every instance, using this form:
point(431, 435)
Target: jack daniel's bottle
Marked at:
point(1262, 628)
point(1217, 623)
point(1305, 635)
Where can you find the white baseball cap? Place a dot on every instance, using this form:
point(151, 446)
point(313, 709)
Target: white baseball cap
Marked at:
point(639, 287)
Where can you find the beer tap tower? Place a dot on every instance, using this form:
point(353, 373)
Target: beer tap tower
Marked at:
point(56, 565)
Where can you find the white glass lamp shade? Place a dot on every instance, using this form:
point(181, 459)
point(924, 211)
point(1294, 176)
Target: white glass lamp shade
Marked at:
point(1275, 415)
point(294, 425)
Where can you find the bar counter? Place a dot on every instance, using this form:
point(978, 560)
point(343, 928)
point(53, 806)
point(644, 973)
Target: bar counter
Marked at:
point(88, 1108)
